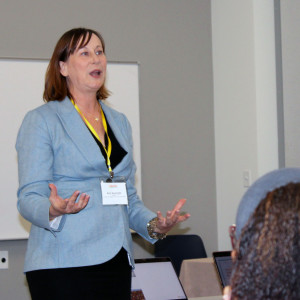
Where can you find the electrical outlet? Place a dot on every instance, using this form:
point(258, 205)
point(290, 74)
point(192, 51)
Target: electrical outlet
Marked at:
point(3, 259)
point(247, 180)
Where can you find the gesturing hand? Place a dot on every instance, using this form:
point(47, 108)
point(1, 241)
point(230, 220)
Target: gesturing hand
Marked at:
point(173, 217)
point(60, 206)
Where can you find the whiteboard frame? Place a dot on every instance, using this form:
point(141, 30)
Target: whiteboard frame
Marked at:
point(24, 78)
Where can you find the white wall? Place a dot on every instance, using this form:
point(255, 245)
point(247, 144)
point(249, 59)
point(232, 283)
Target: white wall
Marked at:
point(245, 110)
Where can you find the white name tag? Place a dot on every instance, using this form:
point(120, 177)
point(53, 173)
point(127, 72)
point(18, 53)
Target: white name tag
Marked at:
point(114, 193)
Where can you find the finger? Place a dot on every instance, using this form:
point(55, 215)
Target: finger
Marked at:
point(54, 198)
point(169, 218)
point(161, 221)
point(175, 217)
point(53, 190)
point(81, 204)
point(83, 201)
point(183, 217)
point(160, 217)
point(70, 203)
point(178, 207)
point(57, 204)
point(173, 220)
point(73, 198)
point(179, 204)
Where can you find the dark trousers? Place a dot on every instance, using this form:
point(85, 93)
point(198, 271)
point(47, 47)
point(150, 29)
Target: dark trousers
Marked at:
point(108, 281)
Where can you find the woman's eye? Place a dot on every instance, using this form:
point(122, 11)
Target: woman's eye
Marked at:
point(84, 53)
point(99, 52)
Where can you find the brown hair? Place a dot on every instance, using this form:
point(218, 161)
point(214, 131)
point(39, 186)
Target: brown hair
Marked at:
point(56, 87)
point(267, 264)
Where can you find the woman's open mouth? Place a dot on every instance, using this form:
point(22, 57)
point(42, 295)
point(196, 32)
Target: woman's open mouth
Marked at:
point(96, 73)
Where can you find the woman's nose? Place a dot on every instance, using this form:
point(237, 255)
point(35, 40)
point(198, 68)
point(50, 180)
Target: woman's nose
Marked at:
point(96, 58)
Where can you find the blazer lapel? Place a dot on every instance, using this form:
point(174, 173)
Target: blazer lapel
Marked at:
point(80, 134)
point(115, 126)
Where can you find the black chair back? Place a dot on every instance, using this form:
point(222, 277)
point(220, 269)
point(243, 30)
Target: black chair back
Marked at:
point(180, 247)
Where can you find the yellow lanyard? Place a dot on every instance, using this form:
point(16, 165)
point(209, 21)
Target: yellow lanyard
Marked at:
point(108, 151)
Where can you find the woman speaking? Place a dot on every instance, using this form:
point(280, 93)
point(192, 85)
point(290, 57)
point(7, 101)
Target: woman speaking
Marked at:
point(76, 182)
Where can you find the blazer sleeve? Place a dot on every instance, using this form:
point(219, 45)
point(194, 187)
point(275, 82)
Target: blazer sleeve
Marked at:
point(35, 167)
point(139, 214)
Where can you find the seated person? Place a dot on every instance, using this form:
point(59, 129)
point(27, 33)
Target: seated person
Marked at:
point(266, 256)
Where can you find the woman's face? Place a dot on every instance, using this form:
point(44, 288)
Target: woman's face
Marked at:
point(85, 69)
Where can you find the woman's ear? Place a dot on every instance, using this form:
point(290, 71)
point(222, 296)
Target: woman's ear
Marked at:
point(63, 68)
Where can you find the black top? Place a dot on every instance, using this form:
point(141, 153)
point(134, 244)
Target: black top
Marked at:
point(117, 152)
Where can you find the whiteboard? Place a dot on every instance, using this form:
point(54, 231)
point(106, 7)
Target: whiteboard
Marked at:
point(22, 84)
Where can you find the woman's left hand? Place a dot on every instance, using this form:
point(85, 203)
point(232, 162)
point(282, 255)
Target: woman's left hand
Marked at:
point(165, 224)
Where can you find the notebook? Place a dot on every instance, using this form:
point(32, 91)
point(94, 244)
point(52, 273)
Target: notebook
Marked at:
point(223, 263)
point(155, 279)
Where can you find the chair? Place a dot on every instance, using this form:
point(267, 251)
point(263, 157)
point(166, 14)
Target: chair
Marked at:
point(180, 247)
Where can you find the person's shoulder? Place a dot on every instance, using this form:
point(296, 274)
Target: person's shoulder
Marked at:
point(46, 107)
point(44, 113)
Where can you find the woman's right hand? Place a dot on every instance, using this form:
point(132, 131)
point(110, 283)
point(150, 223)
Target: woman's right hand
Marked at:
point(60, 206)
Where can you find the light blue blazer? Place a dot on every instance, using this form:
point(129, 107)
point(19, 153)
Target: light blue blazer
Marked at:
point(55, 146)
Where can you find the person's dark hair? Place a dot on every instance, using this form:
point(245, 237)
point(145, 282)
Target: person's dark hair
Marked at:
point(267, 263)
point(56, 84)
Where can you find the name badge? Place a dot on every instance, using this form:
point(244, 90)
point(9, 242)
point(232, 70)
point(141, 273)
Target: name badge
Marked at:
point(114, 193)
